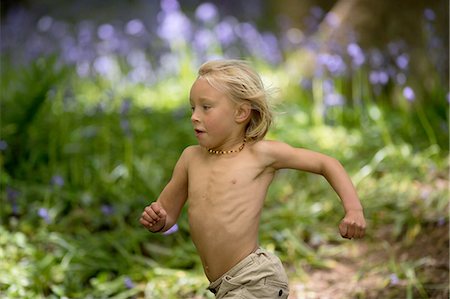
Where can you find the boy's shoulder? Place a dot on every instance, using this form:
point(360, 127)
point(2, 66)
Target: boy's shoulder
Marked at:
point(191, 151)
point(267, 146)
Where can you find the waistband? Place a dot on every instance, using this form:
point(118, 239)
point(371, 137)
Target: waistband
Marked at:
point(215, 285)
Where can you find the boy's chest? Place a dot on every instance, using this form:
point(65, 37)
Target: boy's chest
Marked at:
point(222, 175)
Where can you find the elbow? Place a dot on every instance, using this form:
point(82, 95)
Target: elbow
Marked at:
point(330, 165)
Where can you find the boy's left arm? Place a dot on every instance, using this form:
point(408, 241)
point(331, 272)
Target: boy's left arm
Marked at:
point(284, 156)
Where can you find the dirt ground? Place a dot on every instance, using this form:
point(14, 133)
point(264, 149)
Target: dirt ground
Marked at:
point(365, 269)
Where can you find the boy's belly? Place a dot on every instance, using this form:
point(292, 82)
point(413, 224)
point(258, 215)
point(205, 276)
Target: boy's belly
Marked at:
point(222, 242)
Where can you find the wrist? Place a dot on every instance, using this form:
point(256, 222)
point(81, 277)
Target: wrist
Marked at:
point(351, 210)
point(159, 230)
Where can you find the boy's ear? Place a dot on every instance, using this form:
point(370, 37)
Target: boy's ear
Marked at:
point(243, 112)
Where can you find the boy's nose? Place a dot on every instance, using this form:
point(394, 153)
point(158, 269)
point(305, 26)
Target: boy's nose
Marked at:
point(194, 117)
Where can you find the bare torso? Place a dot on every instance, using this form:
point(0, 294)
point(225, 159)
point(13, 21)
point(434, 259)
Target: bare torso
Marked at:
point(225, 198)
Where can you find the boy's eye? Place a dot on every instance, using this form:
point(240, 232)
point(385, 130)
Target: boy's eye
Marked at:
point(206, 107)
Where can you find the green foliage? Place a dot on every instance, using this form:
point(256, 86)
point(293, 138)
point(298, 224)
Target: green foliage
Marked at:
point(84, 157)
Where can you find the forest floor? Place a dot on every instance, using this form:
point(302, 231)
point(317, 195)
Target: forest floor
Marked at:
point(363, 269)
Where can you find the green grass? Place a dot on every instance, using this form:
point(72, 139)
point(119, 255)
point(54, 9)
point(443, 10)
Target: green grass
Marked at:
point(114, 159)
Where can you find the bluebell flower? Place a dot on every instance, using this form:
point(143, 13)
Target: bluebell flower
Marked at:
point(169, 6)
point(400, 78)
point(128, 282)
point(332, 20)
point(333, 62)
point(3, 145)
point(134, 27)
point(206, 12)
point(45, 23)
point(225, 32)
point(356, 53)
point(57, 180)
point(402, 61)
point(203, 39)
point(334, 99)
point(171, 230)
point(271, 50)
point(317, 12)
point(125, 107)
point(107, 210)
point(393, 279)
point(408, 93)
point(43, 213)
point(174, 27)
point(11, 196)
point(306, 83)
point(105, 31)
point(378, 77)
point(429, 14)
point(441, 221)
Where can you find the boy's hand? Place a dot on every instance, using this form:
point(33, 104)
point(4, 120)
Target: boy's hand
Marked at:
point(153, 217)
point(353, 225)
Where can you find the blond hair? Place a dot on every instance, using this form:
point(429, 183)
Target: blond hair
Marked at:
point(242, 84)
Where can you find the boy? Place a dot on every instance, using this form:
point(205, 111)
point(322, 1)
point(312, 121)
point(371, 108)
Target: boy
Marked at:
point(226, 178)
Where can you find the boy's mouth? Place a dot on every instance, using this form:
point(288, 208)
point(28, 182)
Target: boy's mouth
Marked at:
point(198, 131)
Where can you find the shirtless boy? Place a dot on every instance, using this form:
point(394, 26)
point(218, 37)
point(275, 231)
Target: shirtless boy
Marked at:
point(226, 178)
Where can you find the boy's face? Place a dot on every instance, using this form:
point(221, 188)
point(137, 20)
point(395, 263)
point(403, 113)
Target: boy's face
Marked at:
point(213, 115)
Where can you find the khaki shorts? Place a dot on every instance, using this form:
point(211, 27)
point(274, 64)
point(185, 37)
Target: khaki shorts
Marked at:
point(258, 276)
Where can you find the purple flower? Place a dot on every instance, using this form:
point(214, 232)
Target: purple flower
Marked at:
point(134, 27)
point(306, 83)
point(333, 63)
point(334, 99)
point(393, 279)
point(169, 5)
point(174, 27)
point(57, 180)
point(402, 61)
point(429, 14)
point(378, 77)
point(128, 282)
point(408, 93)
point(332, 20)
point(171, 230)
point(357, 55)
point(203, 40)
point(270, 48)
point(3, 145)
point(400, 78)
point(206, 12)
point(45, 23)
point(224, 31)
point(107, 210)
point(441, 221)
point(105, 31)
point(125, 107)
point(316, 12)
point(11, 196)
point(43, 213)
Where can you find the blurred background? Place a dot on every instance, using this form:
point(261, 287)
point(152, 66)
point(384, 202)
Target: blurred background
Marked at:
point(94, 114)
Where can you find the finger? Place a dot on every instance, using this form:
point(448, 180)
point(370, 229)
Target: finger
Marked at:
point(351, 230)
point(162, 213)
point(147, 217)
point(145, 223)
point(362, 232)
point(156, 207)
point(151, 212)
point(343, 229)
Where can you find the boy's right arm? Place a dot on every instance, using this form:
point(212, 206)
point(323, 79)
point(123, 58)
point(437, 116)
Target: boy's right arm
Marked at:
point(163, 214)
